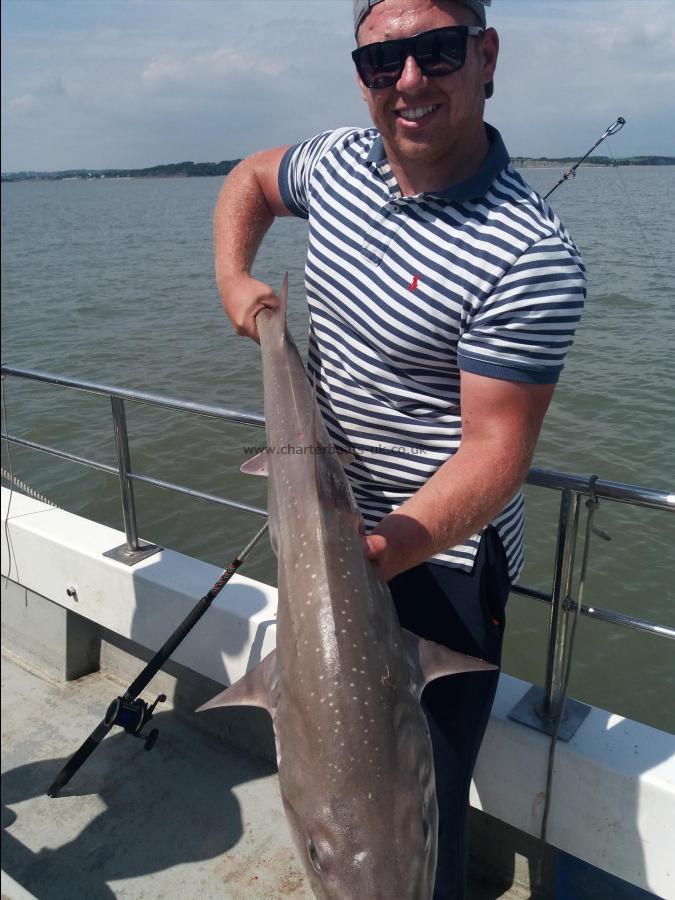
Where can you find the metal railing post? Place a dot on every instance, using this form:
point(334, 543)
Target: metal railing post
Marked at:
point(124, 468)
point(133, 551)
point(558, 632)
point(541, 708)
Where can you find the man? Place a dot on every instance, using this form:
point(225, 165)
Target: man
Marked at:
point(443, 295)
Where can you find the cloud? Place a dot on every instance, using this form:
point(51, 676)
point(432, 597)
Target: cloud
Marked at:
point(27, 103)
point(197, 70)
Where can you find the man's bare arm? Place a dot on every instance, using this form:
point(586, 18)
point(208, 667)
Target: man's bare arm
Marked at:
point(247, 205)
point(501, 421)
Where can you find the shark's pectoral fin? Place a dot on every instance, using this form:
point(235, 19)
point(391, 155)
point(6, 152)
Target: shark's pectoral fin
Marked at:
point(256, 465)
point(433, 660)
point(259, 465)
point(256, 688)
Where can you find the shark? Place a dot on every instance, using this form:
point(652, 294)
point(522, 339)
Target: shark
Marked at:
point(354, 755)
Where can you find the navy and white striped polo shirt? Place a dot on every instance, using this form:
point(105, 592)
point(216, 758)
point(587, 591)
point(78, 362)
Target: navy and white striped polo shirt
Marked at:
point(404, 292)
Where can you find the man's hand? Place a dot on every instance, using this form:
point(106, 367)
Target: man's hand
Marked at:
point(387, 543)
point(243, 298)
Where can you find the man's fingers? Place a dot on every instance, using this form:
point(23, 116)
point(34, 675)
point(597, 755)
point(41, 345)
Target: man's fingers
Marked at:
point(374, 546)
point(269, 301)
point(243, 298)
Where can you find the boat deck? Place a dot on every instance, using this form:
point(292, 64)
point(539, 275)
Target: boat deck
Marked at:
point(193, 818)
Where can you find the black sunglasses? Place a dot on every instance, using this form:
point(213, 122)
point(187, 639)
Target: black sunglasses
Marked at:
point(438, 52)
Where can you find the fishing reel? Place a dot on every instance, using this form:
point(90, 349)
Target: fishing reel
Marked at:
point(133, 716)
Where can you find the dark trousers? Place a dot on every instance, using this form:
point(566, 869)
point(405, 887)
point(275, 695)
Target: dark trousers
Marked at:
point(466, 613)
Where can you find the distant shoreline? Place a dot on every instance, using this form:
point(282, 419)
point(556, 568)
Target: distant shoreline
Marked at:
point(209, 169)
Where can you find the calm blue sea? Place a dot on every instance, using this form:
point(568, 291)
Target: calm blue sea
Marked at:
point(113, 281)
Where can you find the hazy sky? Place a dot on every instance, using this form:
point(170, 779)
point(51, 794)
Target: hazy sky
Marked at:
point(134, 83)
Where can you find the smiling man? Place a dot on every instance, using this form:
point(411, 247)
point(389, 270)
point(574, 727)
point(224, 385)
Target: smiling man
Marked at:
point(443, 295)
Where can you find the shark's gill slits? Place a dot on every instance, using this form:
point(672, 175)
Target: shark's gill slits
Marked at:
point(426, 832)
point(313, 856)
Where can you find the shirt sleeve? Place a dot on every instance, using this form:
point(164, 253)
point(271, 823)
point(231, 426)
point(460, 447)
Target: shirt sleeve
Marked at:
point(524, 328)
point(297, 167)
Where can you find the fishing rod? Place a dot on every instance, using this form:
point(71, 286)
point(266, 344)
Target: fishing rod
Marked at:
point(610, 130)
point(128, 710)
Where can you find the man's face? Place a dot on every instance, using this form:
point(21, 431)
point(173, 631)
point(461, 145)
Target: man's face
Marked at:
point(453, 103)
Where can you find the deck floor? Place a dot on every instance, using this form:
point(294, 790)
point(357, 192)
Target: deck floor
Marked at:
point(194, 818)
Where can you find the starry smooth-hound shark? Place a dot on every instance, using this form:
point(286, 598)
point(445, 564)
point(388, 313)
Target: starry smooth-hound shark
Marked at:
point(355, 761)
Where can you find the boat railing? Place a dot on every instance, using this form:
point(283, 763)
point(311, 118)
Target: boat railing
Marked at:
point(573, 488)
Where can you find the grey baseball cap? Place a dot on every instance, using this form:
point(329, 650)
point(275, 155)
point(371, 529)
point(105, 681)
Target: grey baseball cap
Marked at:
point(363, 7)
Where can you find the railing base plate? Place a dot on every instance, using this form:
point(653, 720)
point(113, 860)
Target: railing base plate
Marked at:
point(527, 712)
point(131, 557)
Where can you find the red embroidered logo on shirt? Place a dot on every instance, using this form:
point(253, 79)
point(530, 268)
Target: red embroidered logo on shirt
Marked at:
point(414, 283)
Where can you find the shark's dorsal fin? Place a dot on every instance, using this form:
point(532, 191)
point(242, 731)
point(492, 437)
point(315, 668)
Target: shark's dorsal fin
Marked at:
point(434, 660)
point(256, 688)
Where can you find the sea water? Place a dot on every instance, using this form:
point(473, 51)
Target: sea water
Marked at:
point(112, 281)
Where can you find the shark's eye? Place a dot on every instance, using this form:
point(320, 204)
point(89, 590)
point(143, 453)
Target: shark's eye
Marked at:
point(313, 856)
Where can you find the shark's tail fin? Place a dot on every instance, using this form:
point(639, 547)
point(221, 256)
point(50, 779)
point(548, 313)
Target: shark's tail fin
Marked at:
point(272, 322)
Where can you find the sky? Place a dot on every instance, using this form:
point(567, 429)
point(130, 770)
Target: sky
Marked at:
point(134, 83)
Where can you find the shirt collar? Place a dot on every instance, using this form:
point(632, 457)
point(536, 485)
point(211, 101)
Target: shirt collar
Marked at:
point(475, 186)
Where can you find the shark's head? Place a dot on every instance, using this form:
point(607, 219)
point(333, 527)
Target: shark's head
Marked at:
point(368, 834)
